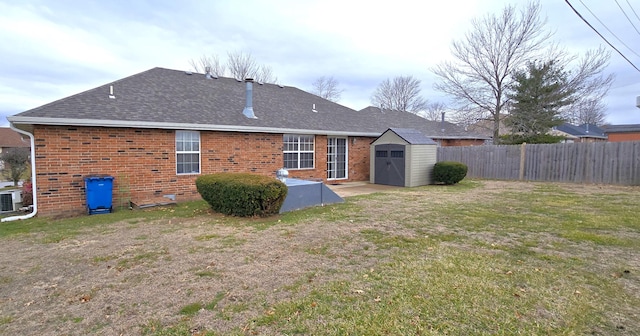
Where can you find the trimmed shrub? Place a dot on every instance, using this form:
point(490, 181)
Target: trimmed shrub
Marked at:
point(449, 172)
point(242, 194)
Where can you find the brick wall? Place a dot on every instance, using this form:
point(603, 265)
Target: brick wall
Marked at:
point(627, 136)
point(358, 160)
point(143, 162)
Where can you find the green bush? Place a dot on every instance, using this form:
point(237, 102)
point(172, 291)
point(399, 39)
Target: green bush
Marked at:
point(241, 194)
point(449, 172)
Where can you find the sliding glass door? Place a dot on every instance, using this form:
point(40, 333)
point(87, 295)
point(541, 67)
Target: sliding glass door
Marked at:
point(337, 165)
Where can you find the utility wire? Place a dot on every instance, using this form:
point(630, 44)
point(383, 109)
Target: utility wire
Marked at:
point(607, 28)
point(633, 10)
point(628, 19)
point(597, 32)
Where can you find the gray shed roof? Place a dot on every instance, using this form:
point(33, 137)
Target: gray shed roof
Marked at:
point(173, 99)
point(412, 136)
point(431, 129)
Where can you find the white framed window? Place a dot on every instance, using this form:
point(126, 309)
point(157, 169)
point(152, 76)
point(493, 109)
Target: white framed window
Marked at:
point(187, 152)
point(298, 151)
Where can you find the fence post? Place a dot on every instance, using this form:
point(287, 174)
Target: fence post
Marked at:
point(522, 157)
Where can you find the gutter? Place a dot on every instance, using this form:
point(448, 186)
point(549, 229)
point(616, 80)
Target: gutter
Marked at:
point(178, 126)
point(207, 127)
point(33, 178)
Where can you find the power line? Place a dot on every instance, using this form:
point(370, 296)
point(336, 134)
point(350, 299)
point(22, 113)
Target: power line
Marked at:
point(628, 19)
point(597, 32)
point(633, 10)
point(607, 28)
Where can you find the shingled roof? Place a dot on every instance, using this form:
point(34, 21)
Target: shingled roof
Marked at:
point(12, 139)
point(432, 129)
point(412, 136)
point(172, 99)
point(582, 131)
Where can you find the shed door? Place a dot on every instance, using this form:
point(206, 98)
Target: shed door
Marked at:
point(389, 165)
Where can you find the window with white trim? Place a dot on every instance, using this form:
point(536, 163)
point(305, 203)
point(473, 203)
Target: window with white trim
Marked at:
point(298, 151)
point(187, 152)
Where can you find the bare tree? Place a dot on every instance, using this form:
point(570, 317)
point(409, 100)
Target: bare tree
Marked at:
point(433, 111)
point(401, 93)
point(484, 59)
point(16, 162)
point(240, 65)
point(209, 64)
point(591, 85)
point(327, 88)
point(590, 111)
point(265, 75)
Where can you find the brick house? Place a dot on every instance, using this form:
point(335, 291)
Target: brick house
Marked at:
point(155, 132)
point(618, 133)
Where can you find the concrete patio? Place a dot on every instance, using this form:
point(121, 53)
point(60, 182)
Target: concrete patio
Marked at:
point(359, 188)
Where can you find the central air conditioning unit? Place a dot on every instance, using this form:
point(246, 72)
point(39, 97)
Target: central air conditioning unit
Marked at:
point(10, 200)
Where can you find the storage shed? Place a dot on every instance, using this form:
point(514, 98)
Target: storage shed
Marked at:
point(402, 157)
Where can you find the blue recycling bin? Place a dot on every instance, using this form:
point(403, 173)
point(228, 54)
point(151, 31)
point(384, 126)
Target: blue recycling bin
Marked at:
point(99, 194)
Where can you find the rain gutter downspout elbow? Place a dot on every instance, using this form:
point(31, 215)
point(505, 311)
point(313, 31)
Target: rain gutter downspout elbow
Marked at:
point(33, 178)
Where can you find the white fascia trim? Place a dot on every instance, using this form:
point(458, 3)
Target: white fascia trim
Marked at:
point(464, 137)
point(177, 126)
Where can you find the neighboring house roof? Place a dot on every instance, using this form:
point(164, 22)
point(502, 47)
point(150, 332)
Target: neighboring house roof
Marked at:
point(431, 129)
point(172, 99)
point(412, 136)
point(485, 127)
point(11, 139)
point(621, 128)
point(582, 131)
point(566, 135)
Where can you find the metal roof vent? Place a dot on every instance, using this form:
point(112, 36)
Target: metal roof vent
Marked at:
point(313, 108)
point(208, 74)
point(188, 73)
point(111, 95)
point(248, 107)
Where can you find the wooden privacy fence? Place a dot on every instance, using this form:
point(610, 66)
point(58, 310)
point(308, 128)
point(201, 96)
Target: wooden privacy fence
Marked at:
point(598, 162)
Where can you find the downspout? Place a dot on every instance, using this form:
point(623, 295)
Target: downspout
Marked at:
point(33, 179)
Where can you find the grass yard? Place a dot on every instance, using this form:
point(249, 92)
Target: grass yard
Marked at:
point(478, 258)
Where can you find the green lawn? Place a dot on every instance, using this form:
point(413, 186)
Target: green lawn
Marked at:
point(478, 258)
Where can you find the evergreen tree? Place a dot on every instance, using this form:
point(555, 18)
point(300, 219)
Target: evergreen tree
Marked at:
point(538, 94)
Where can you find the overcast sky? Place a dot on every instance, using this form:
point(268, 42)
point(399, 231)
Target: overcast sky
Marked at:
point(53, 49)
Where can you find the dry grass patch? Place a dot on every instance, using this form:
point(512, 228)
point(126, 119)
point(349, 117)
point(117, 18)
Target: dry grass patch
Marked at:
point(481, 258)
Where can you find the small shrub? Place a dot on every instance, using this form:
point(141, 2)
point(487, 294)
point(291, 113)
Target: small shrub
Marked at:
point(242, 194)
point(449, 172)
point(27, 193)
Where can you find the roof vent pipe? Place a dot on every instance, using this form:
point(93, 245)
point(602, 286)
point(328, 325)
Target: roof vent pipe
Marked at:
point(442, 122)
point(248, 107)
point(207, 71)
